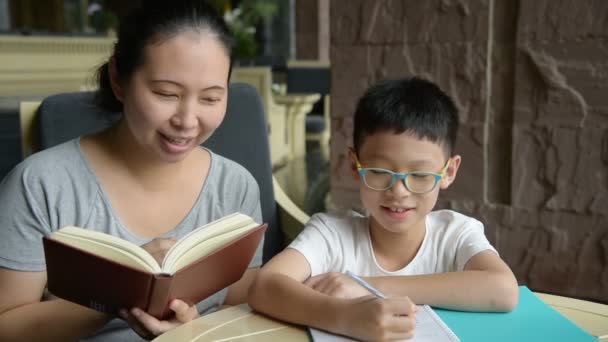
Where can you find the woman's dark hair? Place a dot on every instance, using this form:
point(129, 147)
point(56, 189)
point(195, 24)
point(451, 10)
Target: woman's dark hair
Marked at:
point(152, 22)
point(410, 105)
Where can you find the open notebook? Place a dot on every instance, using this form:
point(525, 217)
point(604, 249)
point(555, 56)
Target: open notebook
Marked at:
point(429, 328)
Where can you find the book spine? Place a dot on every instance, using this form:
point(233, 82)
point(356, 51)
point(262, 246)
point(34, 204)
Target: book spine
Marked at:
point(92, 281)
point(159, 297)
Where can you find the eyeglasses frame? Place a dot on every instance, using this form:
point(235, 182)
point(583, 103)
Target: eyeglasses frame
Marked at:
point(403, 176)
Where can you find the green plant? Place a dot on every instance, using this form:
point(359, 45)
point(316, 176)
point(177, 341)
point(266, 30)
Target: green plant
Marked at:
point(243, 21)
point(256, 10)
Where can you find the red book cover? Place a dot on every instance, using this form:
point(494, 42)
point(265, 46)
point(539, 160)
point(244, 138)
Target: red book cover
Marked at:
point(102, 284)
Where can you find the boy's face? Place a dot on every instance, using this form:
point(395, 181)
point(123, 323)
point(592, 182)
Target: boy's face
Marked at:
point(398, 210)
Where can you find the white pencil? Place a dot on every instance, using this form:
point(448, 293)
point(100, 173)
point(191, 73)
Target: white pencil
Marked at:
point(363, 283)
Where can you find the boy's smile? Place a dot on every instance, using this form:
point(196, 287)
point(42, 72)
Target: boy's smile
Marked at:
point(397, 210)
point(398, 213)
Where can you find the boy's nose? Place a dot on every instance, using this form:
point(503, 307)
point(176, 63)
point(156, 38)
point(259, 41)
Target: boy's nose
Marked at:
point(399, 187)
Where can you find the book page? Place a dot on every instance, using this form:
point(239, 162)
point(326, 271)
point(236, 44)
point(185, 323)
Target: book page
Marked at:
point(429, 328)
point(107, 246)
point(205, 232)
point(206, 247)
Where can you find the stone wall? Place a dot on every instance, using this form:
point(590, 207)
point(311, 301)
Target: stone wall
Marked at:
point(530, 79)
point(312, 29)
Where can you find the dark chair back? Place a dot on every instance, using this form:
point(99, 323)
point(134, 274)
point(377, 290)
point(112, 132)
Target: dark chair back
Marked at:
point(308, 80)
point(241, 137)
point(10, 137)
point(311, 80)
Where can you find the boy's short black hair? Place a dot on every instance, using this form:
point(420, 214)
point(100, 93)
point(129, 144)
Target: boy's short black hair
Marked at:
point(410, 105)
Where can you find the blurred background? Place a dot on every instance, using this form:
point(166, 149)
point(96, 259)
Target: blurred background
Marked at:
point(262, 27)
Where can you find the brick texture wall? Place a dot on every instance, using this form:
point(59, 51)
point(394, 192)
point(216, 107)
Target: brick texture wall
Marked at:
point(530, 79)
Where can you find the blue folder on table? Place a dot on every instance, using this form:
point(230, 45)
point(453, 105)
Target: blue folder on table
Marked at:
point(532, 320)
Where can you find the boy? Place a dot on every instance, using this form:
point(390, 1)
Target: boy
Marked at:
point(404, 133)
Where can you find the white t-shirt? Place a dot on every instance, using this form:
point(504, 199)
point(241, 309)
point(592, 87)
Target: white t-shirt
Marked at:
point(333, 243)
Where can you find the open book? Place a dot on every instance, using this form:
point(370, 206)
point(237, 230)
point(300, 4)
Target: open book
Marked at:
point(107, 273)
point(429, 328)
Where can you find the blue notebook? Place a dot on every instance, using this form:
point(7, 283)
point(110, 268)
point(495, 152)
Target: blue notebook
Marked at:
point(532, 320)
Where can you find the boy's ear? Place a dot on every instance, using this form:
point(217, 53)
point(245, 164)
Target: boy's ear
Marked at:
point(450, 174)
point(114, 80)
point(352, 159)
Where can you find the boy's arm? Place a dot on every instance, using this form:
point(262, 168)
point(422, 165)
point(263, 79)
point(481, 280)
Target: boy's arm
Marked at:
point(486, 284)
point(237, 292)
point(278, 291)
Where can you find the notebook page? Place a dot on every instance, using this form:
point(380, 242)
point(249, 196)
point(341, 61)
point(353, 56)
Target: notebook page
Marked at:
point(429, 328)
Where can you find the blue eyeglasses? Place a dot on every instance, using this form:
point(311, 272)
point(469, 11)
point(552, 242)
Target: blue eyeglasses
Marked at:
point(418, 182)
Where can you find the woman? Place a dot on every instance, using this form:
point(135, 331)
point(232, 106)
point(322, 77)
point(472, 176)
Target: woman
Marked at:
point(146, 179)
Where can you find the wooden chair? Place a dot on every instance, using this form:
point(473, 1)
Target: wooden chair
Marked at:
point(313, 77)
point(261, 79)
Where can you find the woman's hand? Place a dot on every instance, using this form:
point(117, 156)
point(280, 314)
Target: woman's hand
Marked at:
point(149, 327)
point(159, 247)
point(146, 326)
point(373, 319)
point(336, 284)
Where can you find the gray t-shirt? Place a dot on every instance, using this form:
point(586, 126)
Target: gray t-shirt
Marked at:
point(57, 187)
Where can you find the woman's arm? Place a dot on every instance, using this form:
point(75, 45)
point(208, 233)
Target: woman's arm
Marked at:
point(23, 317)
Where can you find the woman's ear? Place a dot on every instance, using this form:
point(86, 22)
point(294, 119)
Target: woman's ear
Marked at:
point(114, 80)
point(450, 173)
point(352, 159)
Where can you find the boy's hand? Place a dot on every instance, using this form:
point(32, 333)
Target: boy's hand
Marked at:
point(373, 319)
point(336, 284)
point(149, 327)
point(159, 247)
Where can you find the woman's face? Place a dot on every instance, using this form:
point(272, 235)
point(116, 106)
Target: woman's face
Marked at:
point(177, 98)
